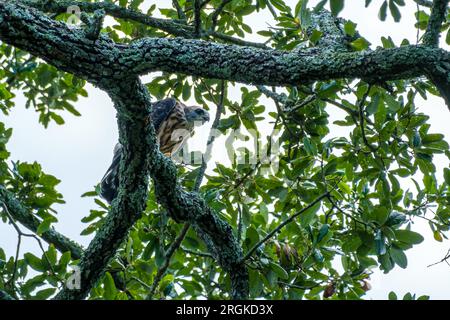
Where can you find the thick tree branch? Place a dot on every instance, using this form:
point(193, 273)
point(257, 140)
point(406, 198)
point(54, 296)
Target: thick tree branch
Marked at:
point(137, 137)
point(62, 46)
point(60, 6)
point(437, 18)
point(333, 38)
point(59, 45)
point(278, 68)
point(141, 158)
point(172, 27)
point(23, 215)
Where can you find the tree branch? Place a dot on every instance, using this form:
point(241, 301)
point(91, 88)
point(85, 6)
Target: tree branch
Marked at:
point(137, 138)
point(197, 18)
point(172, 249)
point(333, 38)
point(425, 3)
point(211, 137)
point(173, 27)
point(437, 18)
point(216, 13)
point(283, 224)
point(177, 243)
point(59, 45)
point(60, 6)
point(23, 215)
point(180, 11)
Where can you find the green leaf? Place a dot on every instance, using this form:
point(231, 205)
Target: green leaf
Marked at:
point(447, 176)
point(57, 118)
point(44, 226)
point(323, 232)
point(281, 273)
point(310, 146)
point(392, 296)
point(393, 105)
point(350, 28)
point(336, 6)
point(394, 11)
point(408, 236)
point(109, 286)
point(168, 279)
point(315, 36)
point(437, 236)
point(383, 11)
point(399, 257)
point(395, 218)
point(34, 262)
point(381, 214)
point(360, 44)
point(44, 294)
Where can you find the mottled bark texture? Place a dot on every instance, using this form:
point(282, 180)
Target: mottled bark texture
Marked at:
point(23, 215)
point(142, 158)
point(130, 99)
point(69, 50)
point(72, 52)
point(115, 67)
point(437, 18)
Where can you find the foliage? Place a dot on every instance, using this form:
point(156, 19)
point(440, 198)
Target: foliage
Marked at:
point(329, 251)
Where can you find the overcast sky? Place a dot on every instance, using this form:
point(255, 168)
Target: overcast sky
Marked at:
point(79, 152)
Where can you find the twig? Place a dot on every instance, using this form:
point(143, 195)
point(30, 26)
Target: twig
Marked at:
point(212, 137)
point(362, 118)
point(283, 224)
point(217, 12)
point(197, 253)
point(21, 214)
point(180, 11)
point(21, 234)
point(169, 255)
point(445, 259)
point(173, 27)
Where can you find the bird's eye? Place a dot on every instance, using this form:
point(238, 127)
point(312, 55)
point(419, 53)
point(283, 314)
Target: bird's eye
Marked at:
point(199, 111)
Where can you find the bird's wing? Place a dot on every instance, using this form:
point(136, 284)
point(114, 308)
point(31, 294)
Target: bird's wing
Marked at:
point(110, 181)
point(161, 110)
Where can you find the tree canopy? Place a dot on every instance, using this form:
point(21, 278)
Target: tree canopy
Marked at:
point(309, 218)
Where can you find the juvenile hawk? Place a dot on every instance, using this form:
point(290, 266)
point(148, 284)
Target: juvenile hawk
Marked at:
point(173, 122)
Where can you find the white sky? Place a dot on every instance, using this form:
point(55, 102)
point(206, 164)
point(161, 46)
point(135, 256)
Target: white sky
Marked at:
point(79, 152)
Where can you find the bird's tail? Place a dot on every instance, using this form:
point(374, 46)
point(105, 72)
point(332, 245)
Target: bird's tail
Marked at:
point(109, 184)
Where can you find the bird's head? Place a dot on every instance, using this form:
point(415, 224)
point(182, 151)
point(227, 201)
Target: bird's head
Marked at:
point(196, 115)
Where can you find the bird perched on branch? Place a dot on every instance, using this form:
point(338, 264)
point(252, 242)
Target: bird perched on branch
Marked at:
point(174, 123)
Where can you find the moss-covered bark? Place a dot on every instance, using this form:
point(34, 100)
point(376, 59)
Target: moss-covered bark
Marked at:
point(115, 68)
point(69, 50)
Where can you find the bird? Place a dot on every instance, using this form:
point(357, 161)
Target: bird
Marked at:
point(174, 123)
